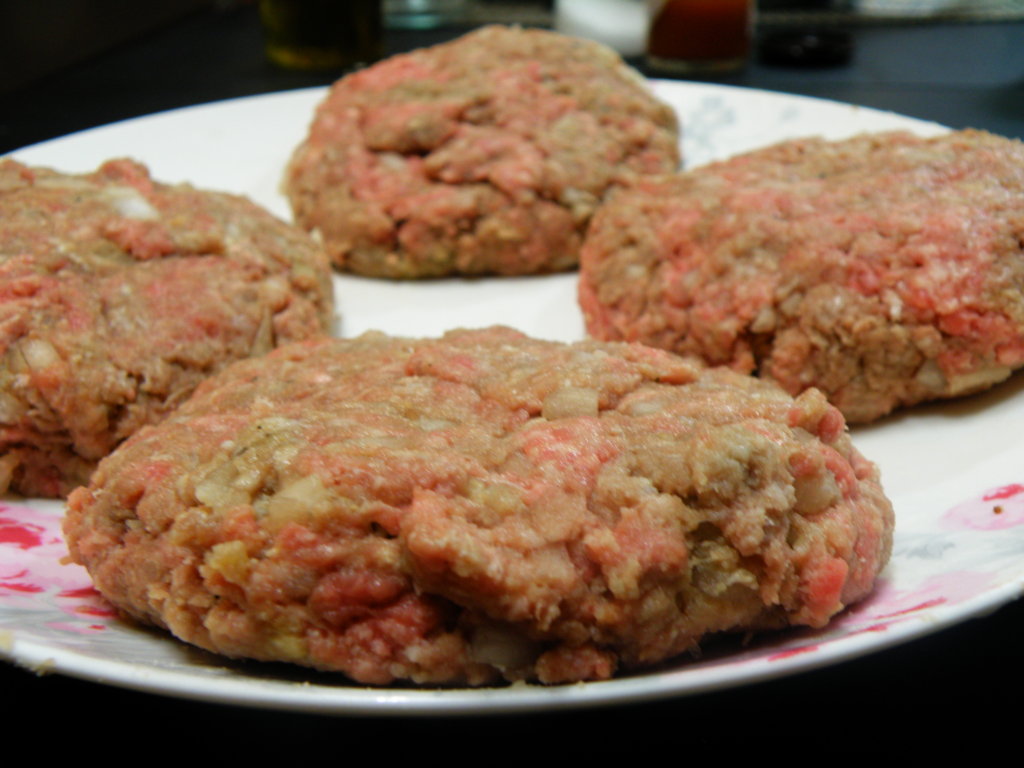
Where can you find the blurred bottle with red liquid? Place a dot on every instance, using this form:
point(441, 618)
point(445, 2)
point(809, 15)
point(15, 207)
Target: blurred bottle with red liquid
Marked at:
point(699, 36)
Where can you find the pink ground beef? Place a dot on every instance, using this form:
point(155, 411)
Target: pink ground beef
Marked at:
point(118, 295)
point(885, 270)
point(487, 154)
point(481, 507)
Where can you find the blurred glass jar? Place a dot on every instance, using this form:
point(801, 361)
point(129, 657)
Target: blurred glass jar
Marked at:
point(621, 24)
point(424, 14)
point(699, 36)
point(322, 34)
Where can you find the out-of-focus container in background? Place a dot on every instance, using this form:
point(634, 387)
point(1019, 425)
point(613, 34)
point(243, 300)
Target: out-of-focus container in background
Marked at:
point(424, 14)
point(700, 36)
point(322, 34)
point(621, 24)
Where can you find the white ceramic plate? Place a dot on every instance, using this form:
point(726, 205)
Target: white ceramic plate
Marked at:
point(953, 471)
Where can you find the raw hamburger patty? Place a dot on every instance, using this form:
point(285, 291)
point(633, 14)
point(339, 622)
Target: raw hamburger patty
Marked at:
point(484, 155)
point(118, 295)
point(884, 270)
point(481, 506)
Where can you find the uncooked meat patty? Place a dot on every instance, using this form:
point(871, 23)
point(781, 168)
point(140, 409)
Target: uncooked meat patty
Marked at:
point(483, 155)
point(479, 507)
point(885, 270)
point(118, 295)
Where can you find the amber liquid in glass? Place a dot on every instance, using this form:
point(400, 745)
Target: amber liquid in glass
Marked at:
point(322, 34)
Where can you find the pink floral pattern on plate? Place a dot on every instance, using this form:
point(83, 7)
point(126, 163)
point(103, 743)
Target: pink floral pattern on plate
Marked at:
point(998, 509)
point(35, 584)
point(55, 602)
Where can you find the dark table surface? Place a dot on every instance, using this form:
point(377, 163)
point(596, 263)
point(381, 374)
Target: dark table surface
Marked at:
point(962, 684)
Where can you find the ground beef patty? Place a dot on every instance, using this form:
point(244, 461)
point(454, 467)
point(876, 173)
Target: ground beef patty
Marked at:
point(118, 295)
point(481, 506)
point(885, 269)
point(484, 155)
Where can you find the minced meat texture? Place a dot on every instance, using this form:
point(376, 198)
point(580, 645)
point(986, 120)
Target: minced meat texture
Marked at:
point(480, 507)
point(485, 155)
point(885, 269)
point(118, 295)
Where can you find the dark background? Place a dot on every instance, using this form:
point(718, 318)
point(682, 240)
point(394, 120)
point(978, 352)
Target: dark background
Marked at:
point(960, 74)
